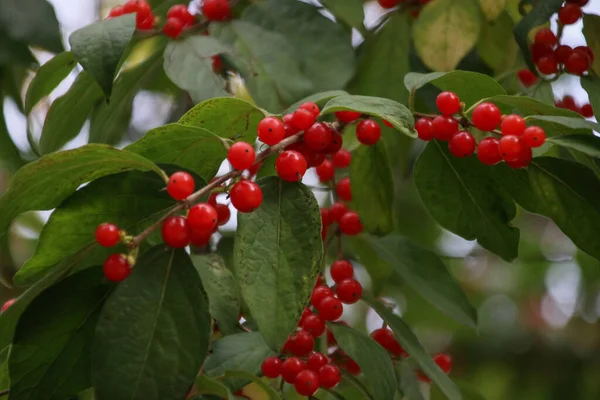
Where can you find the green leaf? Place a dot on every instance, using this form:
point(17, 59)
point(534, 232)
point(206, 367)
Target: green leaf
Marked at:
point(526, 106)
point(322, 47)
point(221, 288)
point(269, 391)
point(466, 389)
point(591, 84)
point(446, 31)
point(372, 359)
point(33, 22)
point(267, 168)
point(542, 91)
point(359, 246)
point(50, 355)
point(411, 344)
point(157, 323)
point(384, 60)
point(210, 386)
point(567, 124)
point(100, 46)
point(68, 113)
point(496, 45)
point(318, 98)
point(471, 87)
point(350, 12)
point(10, 157)
point(460, 195)
point(587, 144)
point(540, 14)
point(565, 191)
point(281, 243)
point(390, 110)
point(45, 183)
point(4, 379)
point(591, 31)
point(133, 200)
point(372, 187)
point(492, 8)
point(425, 272)
point(408, 381)
point(48, 77)
point(242, 351)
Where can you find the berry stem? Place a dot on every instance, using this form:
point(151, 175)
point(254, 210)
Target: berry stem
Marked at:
point(411, 100)
point(424, 115)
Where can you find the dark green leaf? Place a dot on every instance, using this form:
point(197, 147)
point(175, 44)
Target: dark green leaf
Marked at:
point(269, 391)
point(10, 157)
point(592, 86)
point(446, 31)
point(221, 288)
point(156, 322)
point(48, 77)
point(390, 110)
point(591, 30)
point(492, 8)
point(407, 380)
point(466, 389)
point(50, 355)
point(460, 195)
point(373, 188)
point(373, 360)
point(4, 379)
point(359, 246)
point(542, 91)
point(280, 243)
point(243, 351)
point(267, 168)
point(411, 344)
point(350, 12)
point(427, 274)
point(100, 46)
point(68, 113)
point(568, 124)
point(496, 45)
point(319, 99)
point(587, 144)
point(207, 385)
point(45, 183)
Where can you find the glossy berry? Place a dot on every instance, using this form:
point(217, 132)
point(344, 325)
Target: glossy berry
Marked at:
point(448, 103)
point(534, 136)
point(347, 116)
point(513, 124)
point(271, 367)
point(318, 294)
point(462, 144)
point(116, 268)
point(547, 65)
point(342, 188)
point(386, 339)
point(290, 368)
point(527, 77)
point(301, 343)
point(488, 151)
point(330, 308)
point(444, 361)
point(577, 63)
point(336, 143)
point(350, 224)
point(314, 325)
point(486, 116)
point(388, 3)
point(173, 28)
point(585, 50)
point(444, 127)
point(181, 12)
point(525, 157)
point(291, 166)
point(326, 217)
point(216, 10)
point(424, 129)
point(569, 14)
point(203, 217)
point(326, 171)
point(217, 64)
point(307, 383)
point(341, 270)
point(107, 235)
point(271, 131)
point(116, 11)
point(7, 304)
point(317, 137)
point(368, 132)
point(562, 53)
point(316, 360)
point(338, 210)
point(200, 238)
point(539, 50)
point(545, 36)
point(176, 232)
point(580, 3)
point(246, 196)
point(587, 111)
point(181, 185)
point(144, 22)
point(349, 291)
point(130, 6)
point(329, 376)
point(342, 159)
point(302, 119)
point(312, 107)
point(510, 147)
point(223, 213)
point(241, 155)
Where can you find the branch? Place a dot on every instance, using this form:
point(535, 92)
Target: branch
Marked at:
point(4, 392)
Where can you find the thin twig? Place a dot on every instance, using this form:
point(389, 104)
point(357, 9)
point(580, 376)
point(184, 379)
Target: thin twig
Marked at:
point(4, 392)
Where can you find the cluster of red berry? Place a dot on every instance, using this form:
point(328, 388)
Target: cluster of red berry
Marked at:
point(144, 18)
point(514, 146)
point(568, 102)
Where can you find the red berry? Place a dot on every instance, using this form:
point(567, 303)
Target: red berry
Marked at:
point(587, 111)
point(545, 36)
point(181, 12)
point(539, 50)
point(217, 64)
point(525, 157)
point(527, 77)
point(341, 270)
point(302, 119)
point(315, 361)
point(368, 132)
point(585, 50)
point(336, 143)
point(388, 3)
point(173, 28)
point(115, 268)
point(326, 171)
point(107, 235)
point(329, 376)
point(290, 368)
point(326, 217)
point(462, 144)
point(577, 63)
point(338, 210)
point(216, 10)
point(312, 107)
point(203, 217)
point(513, 124)
point(350, 224)
point(488, 151)
point(330, 308)
point(444, 361)
point(448, 103)
point(223, 212)
point(176, 232)
point(318, 294)
point(342, 188)
point(534, 136)
point(342, 159)
point(580, 3)
point(569, 102)
point(301, 343)
point(444, 127)
point(510, 147)
point(307, 383)
point(569, 14)
point(486, 116)
point(349, 365)
point(271, 131)
point(290, 166)
point(347, 116)
point(317, 137)
point(271, 367)
point(386, 339)
point(314, 325)
point(130, 6)
point(143, 11)
point(388, 123)
point(424, 128)
point(116, 11)
point(181, 185)
point(7, 304)
point(241, 155)
point(562, 53)
point(547, 65)
point(144, 22)
point(349, 291)
point(246, 196)
point(200, 238)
